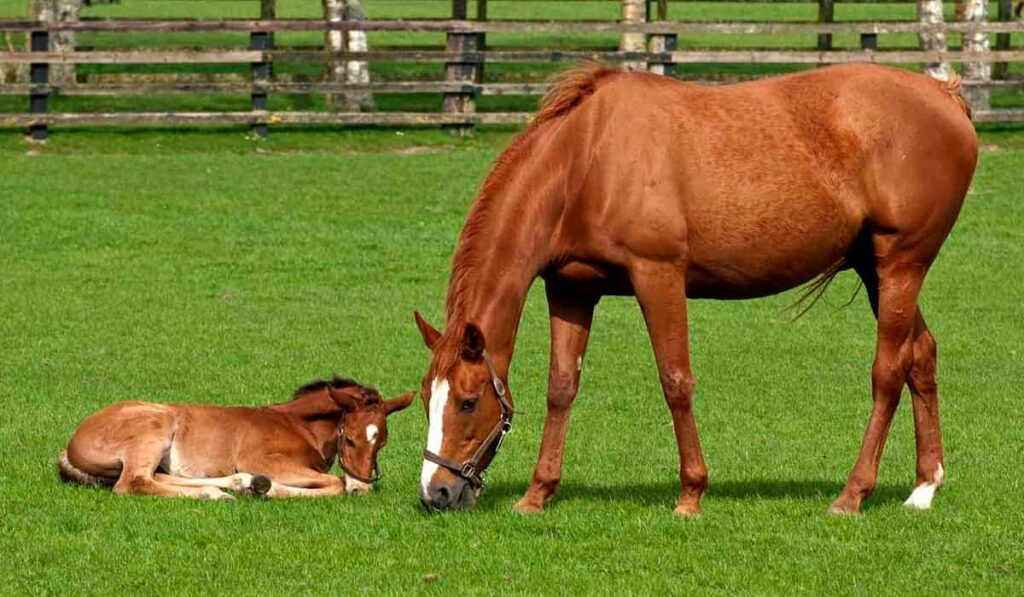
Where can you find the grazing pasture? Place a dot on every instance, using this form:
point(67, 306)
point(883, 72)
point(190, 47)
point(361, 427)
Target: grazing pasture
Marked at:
point(201, 266)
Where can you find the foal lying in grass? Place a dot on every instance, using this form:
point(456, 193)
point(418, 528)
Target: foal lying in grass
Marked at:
point(197, 451)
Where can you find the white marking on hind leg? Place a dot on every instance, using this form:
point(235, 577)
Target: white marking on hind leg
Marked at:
point(922, 496)
point(435, 435)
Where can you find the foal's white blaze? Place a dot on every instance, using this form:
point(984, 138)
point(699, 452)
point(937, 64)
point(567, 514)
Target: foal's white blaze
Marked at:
point(371, 434)
point(435, 435)
point(921, 497)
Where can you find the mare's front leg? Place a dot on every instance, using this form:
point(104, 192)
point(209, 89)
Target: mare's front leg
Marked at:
point(571, 317)
point(660, 289)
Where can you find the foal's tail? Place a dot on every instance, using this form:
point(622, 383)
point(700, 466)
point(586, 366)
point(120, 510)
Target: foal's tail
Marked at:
point(69, 474)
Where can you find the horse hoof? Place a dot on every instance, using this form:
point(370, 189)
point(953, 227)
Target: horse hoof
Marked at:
point(528, 507)
point(260, 485)
point(687, 511)
point(841, 508)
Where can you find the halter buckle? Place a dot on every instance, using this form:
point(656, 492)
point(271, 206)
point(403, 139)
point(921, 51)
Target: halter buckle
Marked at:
point(468, 471)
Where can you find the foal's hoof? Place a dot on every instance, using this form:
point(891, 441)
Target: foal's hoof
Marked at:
point(260, 485)
point(526, 506)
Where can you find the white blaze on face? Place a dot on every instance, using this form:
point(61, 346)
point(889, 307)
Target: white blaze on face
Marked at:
point(435, 435)
point(371, 434)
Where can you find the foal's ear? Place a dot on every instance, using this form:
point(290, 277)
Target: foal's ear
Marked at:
point(398, 403)
point(343, 399)
point(429, 332)
point(472, 343)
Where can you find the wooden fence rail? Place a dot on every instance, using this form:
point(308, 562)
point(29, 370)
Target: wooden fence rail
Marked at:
point(461, 26)
point(461, 62)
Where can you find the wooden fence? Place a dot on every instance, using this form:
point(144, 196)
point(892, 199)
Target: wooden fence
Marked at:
point(460, 64)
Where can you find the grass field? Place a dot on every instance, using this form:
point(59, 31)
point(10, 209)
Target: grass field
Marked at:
point(200, 266)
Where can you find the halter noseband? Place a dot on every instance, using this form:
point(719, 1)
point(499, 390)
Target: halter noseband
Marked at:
point(470, 470)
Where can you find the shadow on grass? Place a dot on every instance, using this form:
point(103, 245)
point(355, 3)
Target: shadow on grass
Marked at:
point(665, 493)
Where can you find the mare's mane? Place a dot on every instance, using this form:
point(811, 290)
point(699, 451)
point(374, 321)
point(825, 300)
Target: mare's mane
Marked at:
point(568, 91)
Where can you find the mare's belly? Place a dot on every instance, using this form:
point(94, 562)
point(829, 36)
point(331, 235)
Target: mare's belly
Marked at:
point(766, 263)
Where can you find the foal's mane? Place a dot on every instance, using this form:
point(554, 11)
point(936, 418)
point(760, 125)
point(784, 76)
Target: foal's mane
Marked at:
point(334, 382)
point(569, 89)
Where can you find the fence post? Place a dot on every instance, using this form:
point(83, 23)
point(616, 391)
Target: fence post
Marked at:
point(1001, 69)
point(929, 12)
point(826, 14)
point(260, 40)
point(39, 94)
point(465, 70)
point(662, 43)
point(869, 41)
point(633, 11)
point(980, 73)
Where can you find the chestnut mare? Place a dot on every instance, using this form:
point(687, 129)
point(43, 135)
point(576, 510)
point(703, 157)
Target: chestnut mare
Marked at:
point(195, 450)
point(638, 184)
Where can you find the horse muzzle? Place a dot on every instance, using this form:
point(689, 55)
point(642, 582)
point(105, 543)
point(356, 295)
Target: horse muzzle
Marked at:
point(455, 495)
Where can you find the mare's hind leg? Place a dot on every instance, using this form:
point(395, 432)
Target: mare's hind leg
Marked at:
point(571, 317)
point(898, 285)
point(661, 291)
point(927, 431)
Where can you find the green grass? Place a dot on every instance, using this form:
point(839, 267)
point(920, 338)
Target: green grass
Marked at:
point(201, 266)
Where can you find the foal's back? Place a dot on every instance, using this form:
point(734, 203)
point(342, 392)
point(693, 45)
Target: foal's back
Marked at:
point(189, 439)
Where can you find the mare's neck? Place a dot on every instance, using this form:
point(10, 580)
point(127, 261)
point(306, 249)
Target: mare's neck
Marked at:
point(506, 242)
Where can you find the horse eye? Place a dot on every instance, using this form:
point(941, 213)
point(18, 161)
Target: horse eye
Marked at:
point(349, 442)
point(468, 405)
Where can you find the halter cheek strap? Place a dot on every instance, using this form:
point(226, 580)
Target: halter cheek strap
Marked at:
point(374, 469)
point(470, 469)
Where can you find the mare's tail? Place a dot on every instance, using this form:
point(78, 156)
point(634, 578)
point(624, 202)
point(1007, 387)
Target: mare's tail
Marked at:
point(954, 87)
point(70, 474)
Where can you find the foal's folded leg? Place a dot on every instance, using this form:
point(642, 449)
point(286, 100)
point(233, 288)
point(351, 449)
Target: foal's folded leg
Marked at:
point(239, 482)
point(140, 480)
point(303, 482)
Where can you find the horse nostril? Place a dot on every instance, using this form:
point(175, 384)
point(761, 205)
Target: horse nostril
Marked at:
point(441, 498)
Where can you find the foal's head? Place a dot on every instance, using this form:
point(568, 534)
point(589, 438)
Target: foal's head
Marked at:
point(363, 431)
point(468, 412)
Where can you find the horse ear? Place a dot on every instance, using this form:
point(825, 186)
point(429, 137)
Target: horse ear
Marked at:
point(398, 403)
point(343, 399)
point(472, 343)
point(429, 332)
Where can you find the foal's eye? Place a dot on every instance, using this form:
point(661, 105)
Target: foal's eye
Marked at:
point(349, 442)
point(468, 405)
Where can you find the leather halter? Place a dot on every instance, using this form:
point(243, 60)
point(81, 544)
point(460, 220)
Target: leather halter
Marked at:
point(470, 470)
point(374, 470)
